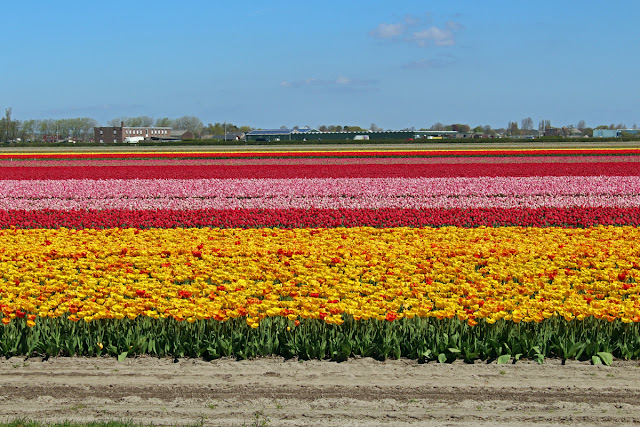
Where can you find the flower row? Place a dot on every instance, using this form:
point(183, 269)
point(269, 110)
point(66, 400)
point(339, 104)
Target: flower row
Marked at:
point(320, 187)
point(512, 273)
point(321, 193)
point(326, 202)
point(323, 171)
point(319, 218)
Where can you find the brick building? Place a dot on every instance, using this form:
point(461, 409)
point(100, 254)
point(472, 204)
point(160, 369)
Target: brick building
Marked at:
point(113, 134)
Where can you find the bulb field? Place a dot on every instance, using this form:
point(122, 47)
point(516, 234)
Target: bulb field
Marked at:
point(431, 255)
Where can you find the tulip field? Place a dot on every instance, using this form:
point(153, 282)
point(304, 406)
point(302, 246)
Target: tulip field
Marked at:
point(431, 255)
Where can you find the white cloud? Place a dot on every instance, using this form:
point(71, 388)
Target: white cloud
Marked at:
point(433, 35)
point(388, 31)
point(416, 31)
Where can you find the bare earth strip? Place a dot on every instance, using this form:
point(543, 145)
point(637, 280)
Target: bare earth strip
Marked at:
point(292, 393)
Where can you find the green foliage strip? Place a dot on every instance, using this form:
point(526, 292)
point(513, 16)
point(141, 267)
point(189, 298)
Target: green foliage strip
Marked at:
point(423, 339)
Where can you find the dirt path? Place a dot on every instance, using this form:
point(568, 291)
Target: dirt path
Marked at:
point(291, 393)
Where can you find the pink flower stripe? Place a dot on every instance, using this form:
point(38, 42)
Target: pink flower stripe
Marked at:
point(322, 193)
point(290, 218)
point(334, 202)
point(323, 171)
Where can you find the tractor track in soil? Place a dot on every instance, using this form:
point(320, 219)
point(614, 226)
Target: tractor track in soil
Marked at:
point(360, 391)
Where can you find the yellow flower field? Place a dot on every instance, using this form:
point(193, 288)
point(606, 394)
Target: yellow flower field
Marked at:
point(513, 273)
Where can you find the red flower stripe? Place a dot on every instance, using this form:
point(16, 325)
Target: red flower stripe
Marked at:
point(324, 171)
point(353, 153)
point(322, 218)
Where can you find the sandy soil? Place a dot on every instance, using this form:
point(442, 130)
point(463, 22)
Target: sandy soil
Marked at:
point(358, 392)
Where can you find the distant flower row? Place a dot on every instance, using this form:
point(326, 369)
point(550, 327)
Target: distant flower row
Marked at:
point(319, 218)
point(323, 187)
point(321, 193)
point(341, 153)
point(374, 170)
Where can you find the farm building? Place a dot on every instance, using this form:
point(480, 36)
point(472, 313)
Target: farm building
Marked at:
point(614, 133)
point(307, 134)
point(122, 133)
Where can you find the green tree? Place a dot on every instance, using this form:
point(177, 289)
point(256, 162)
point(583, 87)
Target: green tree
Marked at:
point(28, 130)
point(164, 122)
point(461, 128)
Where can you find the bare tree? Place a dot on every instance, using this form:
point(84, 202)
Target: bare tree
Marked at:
point(139, 121)
point(164, 122)
point(6, 125)
point(582, 125)
point(190, 123)
point(527, 123)
point(116, 122)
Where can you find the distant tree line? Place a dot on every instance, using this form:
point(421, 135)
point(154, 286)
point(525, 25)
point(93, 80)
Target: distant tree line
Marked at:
point(81, 128)
point(218, 129)
point(524, 128)
point(348, 128)
point(78, 129)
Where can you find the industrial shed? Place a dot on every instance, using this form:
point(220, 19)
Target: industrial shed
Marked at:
point(306, 134)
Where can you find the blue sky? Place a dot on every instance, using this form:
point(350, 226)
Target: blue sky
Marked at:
point(267, 64)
